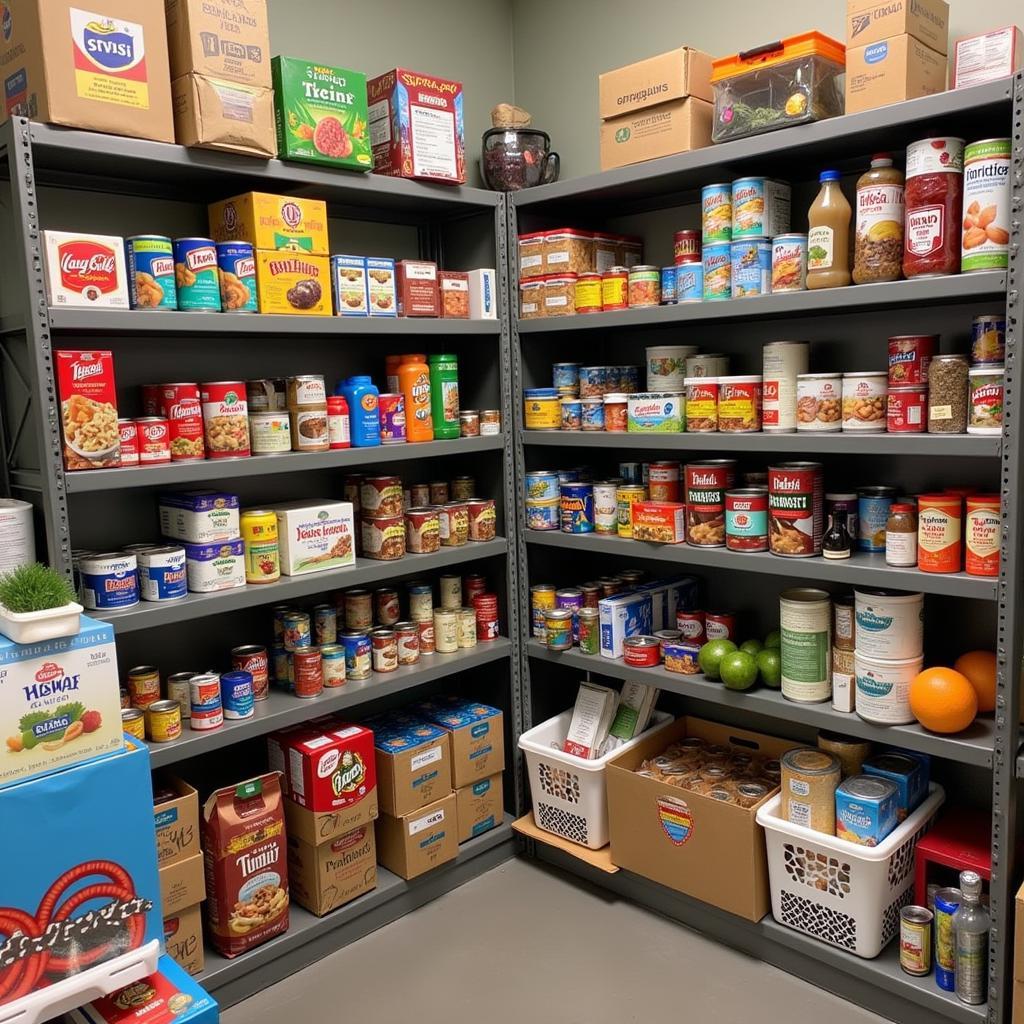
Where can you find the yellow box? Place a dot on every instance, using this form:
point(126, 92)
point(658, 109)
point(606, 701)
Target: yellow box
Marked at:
point(287, 282)
point(272, 222)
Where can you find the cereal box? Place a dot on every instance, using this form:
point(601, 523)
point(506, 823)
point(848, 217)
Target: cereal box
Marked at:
point(380, 279)
point(85, 270)
point(293, 282)
point(314, 536)
point(88, 409)
point(348, 284)
point(269, 221)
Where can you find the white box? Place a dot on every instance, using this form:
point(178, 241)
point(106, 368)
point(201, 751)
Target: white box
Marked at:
point(621, 616)
point(844, 692)
point(315, 535)
point(85, 270)
point(483, 294)
point(199, 517)
point(986, 57)
point(668, 597)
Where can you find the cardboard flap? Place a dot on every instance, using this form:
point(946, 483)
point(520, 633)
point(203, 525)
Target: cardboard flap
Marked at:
point(601, 859)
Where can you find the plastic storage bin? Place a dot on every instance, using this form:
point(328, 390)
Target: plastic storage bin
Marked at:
point(843, 894)
point(570, 798)
point(791, 81)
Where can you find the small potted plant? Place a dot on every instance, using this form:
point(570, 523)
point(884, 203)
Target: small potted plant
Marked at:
point(37, 603)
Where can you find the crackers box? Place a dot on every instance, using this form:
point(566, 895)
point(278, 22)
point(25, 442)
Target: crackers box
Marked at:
point(225, 41)
point(480, 807)
point(176, 821)
point(327, 875)
point(411, 845)
point(413, 763)
point(183, 939)
point(677, 126)
point(213, 114)
point(890, 71)
point(476, 734)
point(869, 21)
point(668, 76)
point(85, 270)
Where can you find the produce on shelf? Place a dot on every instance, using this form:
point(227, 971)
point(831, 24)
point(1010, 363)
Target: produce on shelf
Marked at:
point(943, 700)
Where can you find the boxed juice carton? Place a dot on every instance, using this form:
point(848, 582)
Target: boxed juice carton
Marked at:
point(327, 875)
point(476, 733)
point(269, 221)
point(313, 536)
point(479, 806)
point(413, 763)
point(411, 845)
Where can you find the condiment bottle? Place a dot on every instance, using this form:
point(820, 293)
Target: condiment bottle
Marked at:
point(837, 542)
point(828, 237)
point(878, 242)
point(414, 384)
point(444, 395)
point(901, 536)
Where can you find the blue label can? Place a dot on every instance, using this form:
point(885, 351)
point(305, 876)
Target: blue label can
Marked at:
point(631, 472)
point(236, 696)
point(196, 275)
point(565, 376)
point(357, 654)
point(542, 485)
point(577, 508)
point(572, 413)
point(592, 413)
point(668, 286)
point(690, 282)
point(109, 580)
point(237, 265)
point(162, 573)
point(150, 261)
point(873, 504)
point(751, 268)
point(543, 515)
point(717, 272)
point(947, 903)
point(593, 381)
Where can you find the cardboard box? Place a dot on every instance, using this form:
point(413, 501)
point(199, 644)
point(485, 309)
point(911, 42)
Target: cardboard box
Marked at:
point(85, 270)
point(322, 877)
point(890, 71)
point(869, 21)
point(416, 284)
point(1018, 938)
point(709, 850)
point(988, 56)
point(674, 127)
point(182, 884)
point(228, 41)
point(410, 846)
point(476, 733)
point(176, 822)
point(214, 114)
point(1018, 1002)
point(296, 283)
point(183, 939)
point(270, 221)
point(669, 76)
point(413, 763)
point(480, 807)
point(104, 68)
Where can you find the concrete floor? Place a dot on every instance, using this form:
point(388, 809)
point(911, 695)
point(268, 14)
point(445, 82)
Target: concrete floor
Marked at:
point(524, 943)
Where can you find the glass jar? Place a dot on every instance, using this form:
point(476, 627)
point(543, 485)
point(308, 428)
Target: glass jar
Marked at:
point(947, 394)
point(901, 536)
point(878, 243)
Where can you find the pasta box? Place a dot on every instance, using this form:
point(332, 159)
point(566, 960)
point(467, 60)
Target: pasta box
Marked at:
point(88, 409)
point(314, 536)
point(476, 732)
point(663, 522)
point(413, 763)
point(707, 849)
point(269, 221)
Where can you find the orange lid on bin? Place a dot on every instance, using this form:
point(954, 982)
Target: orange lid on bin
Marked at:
point(804, 44)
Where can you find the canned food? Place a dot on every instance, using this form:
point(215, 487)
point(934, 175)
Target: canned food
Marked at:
point(307, 672)
point(163, 721)
point(543, 515)
point(576, 507)
point(236, 264)
point(308, 429)
point(270, 433)
point(384, 647)
point(565, 376)
point(332, 665)
point(691, 625)
point(939, 532)
point(819, 401)
point(760, 208)
point(789, 263)
point(558, 628)
point(408, 637)
point(864, 401)
point(594, 381)
point(196, 276)
point(380, 496)
point(783, 362)
point(162, 575)
point(805, 622)
point(391, 410)
point(644, 286)
point(144, 686)
point(469, 423)
point(358, 658)
point(439, 493)
point(883, 688)
point(873, 505)
point(946, 904)
point(588, 293)
point(252, 658)
point(905, 410)
point(641, 651)
point(421, 601)
point(109, 580)
point(681, 656)
point(446, 631)
point(717, 272)
point(423, 530)
point(225, 419)
point(482, 519)
point(262, 558)
point(739, 404)
point(626, 495)
point(746, 519)
point(178, 690)
point(387, 608)
point(181, 405)
point(701, 405)
point(981, 535)
point(133, 722)
point(466, 627)
point(453, 524)
point(686, 247)
point(129, 441)
point(236, 694)
point(589, 630)
point(796, 508)
point(986, 204)
point(282, 666)
point(751, 268)
point(716, 214)
point(909, 356)
point(358, 606)
point(383, 537)
point(719, 625)
point(663, 482)
point(325, 624)
point(988, 338)
point(889, 625)
point(542, 599)
point(615, 288)
point(150, 260)
point(297, 631)
point(425, 629)
point(450, 589)
point(706, 484)
point(153, 435)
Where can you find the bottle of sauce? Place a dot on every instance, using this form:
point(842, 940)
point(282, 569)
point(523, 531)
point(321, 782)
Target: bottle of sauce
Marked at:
point(828, 237)
point(878, 241)
point(934, 207)
point(414, 384)
point(837, 542)
point(901, 536)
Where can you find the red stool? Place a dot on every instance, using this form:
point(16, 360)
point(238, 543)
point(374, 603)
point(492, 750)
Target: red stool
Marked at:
point(959, 841)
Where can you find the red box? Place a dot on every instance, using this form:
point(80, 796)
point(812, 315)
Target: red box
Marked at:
point(663, 522)
point(418, 293)
point(88, 409)
point(454, 294)
point(416, 126)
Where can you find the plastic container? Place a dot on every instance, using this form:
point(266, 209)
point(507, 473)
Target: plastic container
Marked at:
point(444, 395)
point(414, 383)
point(363, 398)
point(839, 892)
point(570, 797)
point(790, 81)
point(36, 627)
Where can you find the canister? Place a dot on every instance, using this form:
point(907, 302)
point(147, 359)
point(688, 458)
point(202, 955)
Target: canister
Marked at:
point(805, 615)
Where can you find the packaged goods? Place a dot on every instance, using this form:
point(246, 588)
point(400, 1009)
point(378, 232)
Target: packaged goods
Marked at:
point(806, 628)
point(199, 516)
point(289, 282)
point(751, 268)
point(716, 213)
point(668, 76)
point(883, 688)
point(934, 206)
point(85, 270)
point(939, 532)
point(479, 806)
point(269, 221)
point(795, 508)
point(916, 925)
point(868, 21)
point(907, 770)
point(873, 507)
point(982, 525)
point(784, 362)
point(739, 404)
point(986, 223)
point(183, 939)
point(454, 289)
point(569, 251)
point(327, 875)
point(314, 536)
point(214, 114)
point(866, 809)
point(150, 266)
point(225, 419)
point(663, 522)
point(690, 282)
point(985, 399)
point(864, 401)
point(411, 845)
point(986, 57)
point(889, 624)
point(909, 357)
point(706, 484)
point(878, 242)
point(760, 208)
point(196, 275)
point(655, 413)
point(475, 732)
point(209, 42)
point(413, 762)
point(676, 126)
point(948, 377)
point(417, 287)
point(218, 565)
point(746, 519)
point(88, 404)
point(162, 573)
point(988, 338)
point(717, 261)
point(789, 263)
point(890, 71)
point(559, 294)
point(809, 781)
point(349, 286)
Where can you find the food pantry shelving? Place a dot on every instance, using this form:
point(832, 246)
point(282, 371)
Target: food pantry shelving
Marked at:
point(847, 328)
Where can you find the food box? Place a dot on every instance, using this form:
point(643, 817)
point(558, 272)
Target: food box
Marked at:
point(183, 939)
point(668, 128)
point(314, 536)
point(454, 286)
point(176, 820)
point(663, 522)
point(321, 114)
point(411, 845)
point(214, 114)
point(890, 71)
point(325, 876)
point(85, 270)
point(293, 282)
point(680, 593)
point(416, 126)
point(476, 733)
point(349, 287)
point(200, 517)
point(622, 616)
point(702, 847)
point(668, 76)
point(60, 702)
point(219, 565)
point(483, 294)
point(480, 807)
point(270, 221)
point(869, 21)
point(413, 763)
point(182, 883)
point(986, 57)
point(88, 409)
point(380, 281)
point(418, 292)
point(229, 42)
point(103, 68)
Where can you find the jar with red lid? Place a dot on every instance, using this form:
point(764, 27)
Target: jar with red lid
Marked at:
point(906, 409)
point(934, 207)
point(339, 433)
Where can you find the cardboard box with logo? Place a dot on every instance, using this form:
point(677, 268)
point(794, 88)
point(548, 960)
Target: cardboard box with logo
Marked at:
point(480, 807)
point(324, 876)
point(870, 21)
point(415, 843)
point(476, 736)
point(892, 70)
point(712, 851)
point(413, 763)
point(183, 939)
point(104, 68)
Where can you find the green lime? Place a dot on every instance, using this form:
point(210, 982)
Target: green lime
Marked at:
point(711, 655)
point(738, 670)
point(773, 639)
point(751, 646)
point(769, 664)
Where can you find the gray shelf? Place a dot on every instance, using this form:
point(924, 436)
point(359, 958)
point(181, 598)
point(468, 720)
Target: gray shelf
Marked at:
point(310, 938)
point(243, 328)
point(149, 614)
point(283, 709)
point(965, 445)
point(862, 569)
point(925, 291)
point(175, 473)
point(973, 746)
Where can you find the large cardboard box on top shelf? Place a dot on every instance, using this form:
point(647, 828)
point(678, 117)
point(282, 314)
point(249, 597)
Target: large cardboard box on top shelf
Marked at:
point(104, 68)
point(712, 851)
point(228, 41)
point(869, 21)
point(213, 114)
point(674, 127)
point(668, 76)
point(892, 70)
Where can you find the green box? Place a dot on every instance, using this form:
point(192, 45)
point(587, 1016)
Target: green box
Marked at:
point(321, 114)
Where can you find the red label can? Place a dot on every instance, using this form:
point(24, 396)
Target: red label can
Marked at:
point(686, 247)
point(129, 442)
point(419, 495)
point(471, 586)
point(909, 356)
point(180, 404)
point(641, 651)
point(706, 484)
point(385, 650)
point(151, 400)
point(906, 410)
point(408, 638)
point(981, 535)
point(387, 610)
point(691, 626)
point(154, 440)
point(796, 509)
point(486, 608)
point(225, 418)
point(426, 632)
point(663, 481)
point(307, 672)
point(252, 658)
point(720, 626)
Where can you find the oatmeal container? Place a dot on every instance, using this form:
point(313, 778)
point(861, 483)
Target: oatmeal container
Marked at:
point(819, 401)
point(864, 401)
point(783, 363)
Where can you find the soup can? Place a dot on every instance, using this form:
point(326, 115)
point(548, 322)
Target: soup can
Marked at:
point(358, 660)
point(606, 513)
point(746, 519)
point(163, 721)
point(150, 266)
point(691, 625)
point(237, 272)
point(796, 509)
point(719, 625)
point(252, 658)
point(178, 689)
point(325, 624)
point(133, 722)
point(384, 646)
point(307, 672)
point(421, 601)
point(387, 608)
point(706, 484)
point(542, 600)
point(196, 275)
point(690, 282)
point(236, 694)
point(144, 685)
point(408, 638)
point(467, 627)
point(332, 662)
point(446, 630)
point(577, 508)
point(425, 629)
point(805, 621)
point(358, 609)
point(641, 651)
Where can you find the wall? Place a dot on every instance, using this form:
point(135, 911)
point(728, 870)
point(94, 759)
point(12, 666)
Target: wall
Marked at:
point(468, 40)
point(561, 46)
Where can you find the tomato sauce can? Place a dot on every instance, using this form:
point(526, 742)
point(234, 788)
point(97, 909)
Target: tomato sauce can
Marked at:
point(308, 672)
point(663, 481)
point(909, 356)
point(641, 651)
point(691, 626)
point(796, 509)
point(981, 535)
point(196, 275)
point(391, 410)
point(906, 409)
point(332, 662)
point(144, 686)
point(746, 519)
point(236, 694)
point(163, 721)
point(154, 440)
point(129, 438)
point(408, 636)
point(706, 484)
point(939, 533)
point(719, 625)
point(384, 647)
point(133, 722)
point(916, 940)
point(615, 288)
point(252, 658)
point(425, 628)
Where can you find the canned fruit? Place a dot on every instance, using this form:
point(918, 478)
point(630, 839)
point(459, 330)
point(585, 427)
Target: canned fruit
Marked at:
point(789, 263)
point(751, 268)
point(986, 202)
point(717, 272)
point(716, 214)
point(943, 700)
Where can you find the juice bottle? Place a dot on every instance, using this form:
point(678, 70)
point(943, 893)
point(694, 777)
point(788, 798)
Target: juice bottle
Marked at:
point(828, 237)
point(414, 384)
point(878, 240)
point(444, 395)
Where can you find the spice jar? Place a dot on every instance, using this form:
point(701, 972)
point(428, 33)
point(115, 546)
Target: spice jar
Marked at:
point(934, 207)
point(901, 536)
point(947, 394)
point(985, 401)
point(878, 245)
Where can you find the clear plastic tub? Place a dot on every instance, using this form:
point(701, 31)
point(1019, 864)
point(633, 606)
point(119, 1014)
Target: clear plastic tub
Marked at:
point(790, 81)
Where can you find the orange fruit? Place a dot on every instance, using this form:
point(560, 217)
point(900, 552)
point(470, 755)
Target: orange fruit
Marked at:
point(980, 669)
point(943, 700)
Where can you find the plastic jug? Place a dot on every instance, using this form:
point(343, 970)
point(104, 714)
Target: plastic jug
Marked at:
point(362, 395)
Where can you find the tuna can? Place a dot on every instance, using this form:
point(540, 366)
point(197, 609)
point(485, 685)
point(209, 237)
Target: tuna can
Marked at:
point(408, 636)
point(144, 685)
point(805, 623)
point(110, 580)
point(307, 672)
point(796, 509)
point(252, 658)
point(576, 508)
point(446, 630)
point(873, 505)
point(717, 272)
point(391, 410)
point(133, 722)
point(358, 660)
point(916, 940)
point(384, 649)
point(746, 519)
point(947, 903)
point(689, 283)
point(542, 599)
point(236, 694)
point(467, 627)
point(641, 651)
point(751, 268)
point(237, 265)
point(162, 574)
point(163, 721)
point(178, 689)
point(890, 626)
point(706, 483)
point(606, 514)
point(883, 688)
point(297, 631)
point(196, 275)
point(150, 268)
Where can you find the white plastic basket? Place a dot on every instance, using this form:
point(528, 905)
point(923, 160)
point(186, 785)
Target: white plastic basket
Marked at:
point(847, 895)
point(570, 798)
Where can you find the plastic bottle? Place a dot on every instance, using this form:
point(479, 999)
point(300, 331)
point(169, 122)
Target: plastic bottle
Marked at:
point(414, 384)
point(878, 242)
point(361, 396)
point(444, 395)
point(391, 364)
point(971, 927)
point(828, 237)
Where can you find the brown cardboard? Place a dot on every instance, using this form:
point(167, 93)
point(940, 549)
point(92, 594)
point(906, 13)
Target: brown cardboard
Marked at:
point(413, 778)
point(177, 823)
point(601, 858)
point(1018, 938)
point(422, 840)
point(668, 76)
point(721, 859)
point(674, 127)
point(890, 71)
point(183, 938)
point(477, 750)
point(1018, 1002)
point(182, 883)
point(869, 21)
point(225, 39)
point(322, 878)
point(480, 807)
point(62, 64)
point(214, 114)
point(315, 827)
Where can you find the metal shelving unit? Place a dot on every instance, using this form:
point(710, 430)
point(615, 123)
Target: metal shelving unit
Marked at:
point(847, 328)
